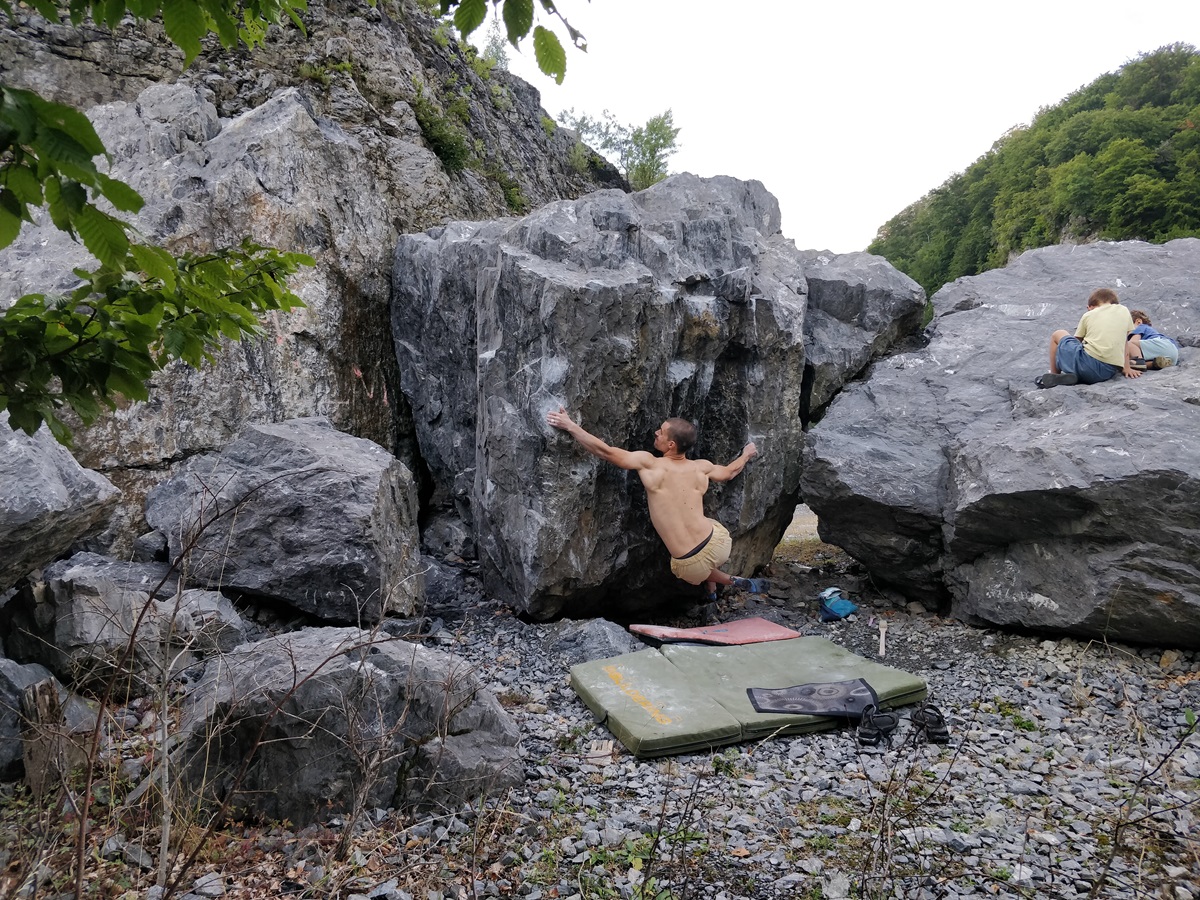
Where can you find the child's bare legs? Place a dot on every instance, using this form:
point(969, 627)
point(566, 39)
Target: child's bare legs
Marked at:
point(1054, 339)
point(1133, 350)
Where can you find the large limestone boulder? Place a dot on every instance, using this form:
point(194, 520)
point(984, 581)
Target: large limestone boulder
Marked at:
point(333, 163)
point(47, 501)
point(332, 717)
point(1075, 509)
point(859, 308)
point(681, 300)
point(299, 512)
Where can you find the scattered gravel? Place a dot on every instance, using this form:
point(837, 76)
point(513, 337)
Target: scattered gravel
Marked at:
point(1067, 769)
point(1070, 772)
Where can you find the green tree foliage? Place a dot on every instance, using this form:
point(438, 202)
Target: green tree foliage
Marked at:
point(142, 307)
point(641, 152)
point(494, 51)
point(518, 17)
point(649, 147)
point(46, 158)
point(1117, 160)
point(123, 323)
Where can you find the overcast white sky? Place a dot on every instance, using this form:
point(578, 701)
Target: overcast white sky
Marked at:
point(846, 111)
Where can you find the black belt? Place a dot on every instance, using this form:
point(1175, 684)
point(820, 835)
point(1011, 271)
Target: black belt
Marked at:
point(703, 544)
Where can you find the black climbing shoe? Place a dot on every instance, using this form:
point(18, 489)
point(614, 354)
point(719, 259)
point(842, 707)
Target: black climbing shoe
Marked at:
point(1051, 380)
point(876, 727)
point(929, 719)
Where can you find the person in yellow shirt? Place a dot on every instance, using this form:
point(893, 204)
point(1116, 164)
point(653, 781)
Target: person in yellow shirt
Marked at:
point(1096, 352)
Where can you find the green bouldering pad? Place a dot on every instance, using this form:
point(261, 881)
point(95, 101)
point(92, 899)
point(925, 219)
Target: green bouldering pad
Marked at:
point(682, 698)
point(650, 706)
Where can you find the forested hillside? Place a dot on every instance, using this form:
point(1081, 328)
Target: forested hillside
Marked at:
point(1117, 160)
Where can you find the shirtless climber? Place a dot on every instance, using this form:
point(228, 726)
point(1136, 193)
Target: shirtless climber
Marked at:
point(675, 487)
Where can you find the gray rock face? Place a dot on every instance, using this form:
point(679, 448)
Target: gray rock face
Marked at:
point(1074, 509)
point(14, 678)
point(78, 621)
point(342, 714)
point(47, 501)
point(683, 299)
point(588, 639)
point(447, 588)
point(283, 177)
point(206, 622)
point(246, 145)
point(299, 512)
point(859, 307)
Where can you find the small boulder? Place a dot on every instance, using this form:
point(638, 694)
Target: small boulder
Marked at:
point(14, 678)
point(300, 512)
point(325, 711)
point(47, 501)
point(448, 587)
point(78, 621)
point(205, 622)
point(578, 641)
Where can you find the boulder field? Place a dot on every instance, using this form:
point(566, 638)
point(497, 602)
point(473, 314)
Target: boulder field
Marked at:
point(1073, 510)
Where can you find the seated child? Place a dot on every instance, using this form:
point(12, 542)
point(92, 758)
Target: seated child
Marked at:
point(1096, 352)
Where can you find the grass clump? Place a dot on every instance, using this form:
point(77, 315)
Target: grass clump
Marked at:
point(579, 158)
point(446, 138)
point(513, 198)
point(322, 74)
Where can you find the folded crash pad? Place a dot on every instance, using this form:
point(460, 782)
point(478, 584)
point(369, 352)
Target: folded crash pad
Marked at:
point(685, 697)
point(754, 630)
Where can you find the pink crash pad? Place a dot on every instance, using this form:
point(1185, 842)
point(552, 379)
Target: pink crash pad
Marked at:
point(755, 630)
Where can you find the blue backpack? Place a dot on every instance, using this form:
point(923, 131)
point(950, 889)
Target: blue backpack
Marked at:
point(835, 605)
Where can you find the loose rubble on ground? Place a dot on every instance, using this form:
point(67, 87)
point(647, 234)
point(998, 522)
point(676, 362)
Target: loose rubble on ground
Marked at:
point(1068, 774)
point(1054, 744)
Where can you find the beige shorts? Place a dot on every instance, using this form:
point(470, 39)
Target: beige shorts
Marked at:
point(715, 554)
